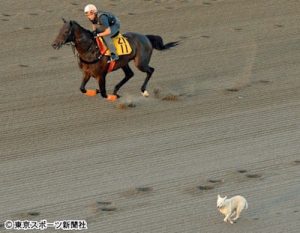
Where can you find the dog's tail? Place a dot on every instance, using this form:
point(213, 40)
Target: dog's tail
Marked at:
point(246, 205)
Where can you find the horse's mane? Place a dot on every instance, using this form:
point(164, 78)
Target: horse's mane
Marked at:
point(82, 28)
point(87, 42)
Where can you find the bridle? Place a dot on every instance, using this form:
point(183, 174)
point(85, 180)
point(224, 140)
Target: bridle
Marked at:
point(71, 43)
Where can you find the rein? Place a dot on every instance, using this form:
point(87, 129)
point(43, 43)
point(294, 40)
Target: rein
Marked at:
point(96, 60)
point(73, 46)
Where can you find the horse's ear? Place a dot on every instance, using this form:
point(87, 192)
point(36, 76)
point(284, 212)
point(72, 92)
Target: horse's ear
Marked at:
point(63, 19)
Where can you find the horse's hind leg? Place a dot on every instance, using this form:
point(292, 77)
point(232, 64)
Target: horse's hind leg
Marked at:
point(128, 75)
point(142, 60)
point(149, 70)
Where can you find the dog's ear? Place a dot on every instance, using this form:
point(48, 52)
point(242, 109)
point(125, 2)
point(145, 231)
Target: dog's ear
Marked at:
point(219, 196)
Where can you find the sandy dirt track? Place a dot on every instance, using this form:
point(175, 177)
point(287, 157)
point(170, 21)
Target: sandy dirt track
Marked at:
point(222, 117)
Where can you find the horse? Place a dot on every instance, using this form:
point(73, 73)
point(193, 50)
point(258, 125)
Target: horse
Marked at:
point(94, 64)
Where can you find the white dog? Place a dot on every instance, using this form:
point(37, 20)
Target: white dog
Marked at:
point(231, 207)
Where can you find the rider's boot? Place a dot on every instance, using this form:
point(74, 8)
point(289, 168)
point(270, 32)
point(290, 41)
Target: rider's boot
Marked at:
point(109, 43)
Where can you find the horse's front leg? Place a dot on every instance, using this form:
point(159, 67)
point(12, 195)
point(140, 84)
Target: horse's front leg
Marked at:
point(85, 79)
point(102, 87)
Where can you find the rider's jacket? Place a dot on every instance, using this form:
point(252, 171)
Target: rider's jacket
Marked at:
point(104, 20)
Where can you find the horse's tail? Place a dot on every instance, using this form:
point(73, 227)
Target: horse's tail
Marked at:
point(157, 42)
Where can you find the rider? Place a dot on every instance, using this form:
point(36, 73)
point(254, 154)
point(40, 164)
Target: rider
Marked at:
point(106, 25)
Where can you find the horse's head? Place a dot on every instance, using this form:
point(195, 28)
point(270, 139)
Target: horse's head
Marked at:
point(65, 35)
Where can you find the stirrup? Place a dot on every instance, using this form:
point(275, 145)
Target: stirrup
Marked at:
point(111, 59)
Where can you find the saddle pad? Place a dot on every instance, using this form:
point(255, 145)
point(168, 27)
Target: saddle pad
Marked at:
point(121, 43)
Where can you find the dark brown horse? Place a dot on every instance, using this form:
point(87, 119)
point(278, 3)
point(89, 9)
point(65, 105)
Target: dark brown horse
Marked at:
point(94, 64)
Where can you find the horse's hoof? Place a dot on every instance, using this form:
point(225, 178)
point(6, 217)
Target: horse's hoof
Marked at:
point(91, 92)
point(112, 98)
point(145, 93)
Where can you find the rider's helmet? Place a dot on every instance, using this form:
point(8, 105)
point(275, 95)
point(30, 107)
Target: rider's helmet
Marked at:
point(90, 8)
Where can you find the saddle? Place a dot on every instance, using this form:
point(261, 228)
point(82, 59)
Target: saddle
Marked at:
point(121, 44)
